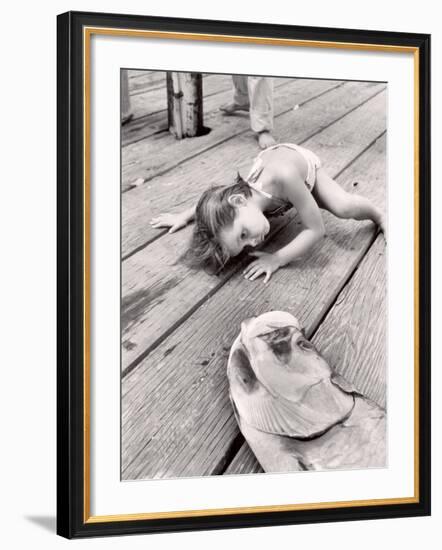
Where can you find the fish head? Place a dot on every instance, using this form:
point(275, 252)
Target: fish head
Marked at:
point(280, 355)
point(279, 383)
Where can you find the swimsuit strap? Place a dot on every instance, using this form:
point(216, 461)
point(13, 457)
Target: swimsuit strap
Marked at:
point(252, 178)
point(283, 207)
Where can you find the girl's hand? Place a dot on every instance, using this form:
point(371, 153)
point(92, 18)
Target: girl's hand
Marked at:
point(266, 263)
point(174, 221)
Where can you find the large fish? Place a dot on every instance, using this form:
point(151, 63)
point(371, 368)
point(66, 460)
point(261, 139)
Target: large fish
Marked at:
point(293, 410)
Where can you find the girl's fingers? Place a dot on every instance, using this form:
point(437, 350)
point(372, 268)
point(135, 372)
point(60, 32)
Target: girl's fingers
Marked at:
point(267, 277)
point(162, 218)
point(249, 274)
point(256, 274)
point(249, 268)
point(176, 226)
point(250, 271)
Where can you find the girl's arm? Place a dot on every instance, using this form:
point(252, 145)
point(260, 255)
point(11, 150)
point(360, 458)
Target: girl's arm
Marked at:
point(174, 221)
point(311, 219)
point(294, 189)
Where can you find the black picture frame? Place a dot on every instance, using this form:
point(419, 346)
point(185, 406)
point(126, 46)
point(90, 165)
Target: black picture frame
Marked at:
point(73, 519)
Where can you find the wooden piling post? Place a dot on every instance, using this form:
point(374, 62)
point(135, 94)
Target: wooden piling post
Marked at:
point(185, 104)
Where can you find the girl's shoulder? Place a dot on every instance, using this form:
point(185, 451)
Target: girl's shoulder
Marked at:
point(279, 203)
point(264, 179)
point(270, 173)
point(274, 186)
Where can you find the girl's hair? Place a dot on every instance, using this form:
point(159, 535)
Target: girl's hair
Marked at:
point(213, 213)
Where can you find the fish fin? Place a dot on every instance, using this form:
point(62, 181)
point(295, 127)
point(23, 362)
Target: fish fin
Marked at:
point(240, 367)
point(274, 453)
point(278, 416)
point(273, 414)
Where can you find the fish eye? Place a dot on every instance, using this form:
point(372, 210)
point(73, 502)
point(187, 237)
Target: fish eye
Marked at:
point(305, 344)
point(283, 332)
point(243, 234)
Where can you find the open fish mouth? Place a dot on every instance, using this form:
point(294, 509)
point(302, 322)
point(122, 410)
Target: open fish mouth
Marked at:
point(266, 323)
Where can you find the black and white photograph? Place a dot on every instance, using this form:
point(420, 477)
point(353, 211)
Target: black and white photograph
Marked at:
point(244, 274)
point(220, 293)
point(253, 274)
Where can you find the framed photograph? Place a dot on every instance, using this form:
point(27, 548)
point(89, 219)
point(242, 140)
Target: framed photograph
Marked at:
point(243, 274)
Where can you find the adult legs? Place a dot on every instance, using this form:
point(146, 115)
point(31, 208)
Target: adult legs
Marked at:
point(126, 114)
point(261, 109)
point(261, 103)
point(240, 101)
point(254, 94)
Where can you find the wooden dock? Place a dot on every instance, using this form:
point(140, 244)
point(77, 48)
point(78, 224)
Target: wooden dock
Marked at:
point(178, 326)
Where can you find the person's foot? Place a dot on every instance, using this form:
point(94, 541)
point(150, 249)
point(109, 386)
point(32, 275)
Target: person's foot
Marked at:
point(265, 139)
point(231, 108)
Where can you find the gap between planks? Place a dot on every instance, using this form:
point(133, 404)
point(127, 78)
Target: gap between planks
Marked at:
point(155, 122)
point(178, 416)
point(222, 128)
point(148, 325)
point(142, 203)
point(364, 289)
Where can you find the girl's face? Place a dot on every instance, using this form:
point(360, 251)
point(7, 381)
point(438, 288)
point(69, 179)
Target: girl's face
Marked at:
point(249, 228)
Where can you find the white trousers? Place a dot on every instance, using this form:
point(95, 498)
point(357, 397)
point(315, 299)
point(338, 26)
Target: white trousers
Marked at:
point(125, 99)
point(255, 92)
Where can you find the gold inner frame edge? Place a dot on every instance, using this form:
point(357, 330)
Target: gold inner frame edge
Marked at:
point(87, 33)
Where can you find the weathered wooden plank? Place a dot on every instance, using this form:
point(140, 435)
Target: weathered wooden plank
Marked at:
point(151, 157)
point(154, 100)
point(147, 158)
point(151, 81)
point(149, 101)
point(358, 349)
point(186, 414)
point(352, 338)
point(244, 462)
point(175, 405)
point(158, 291)
point(144, 81)
point(182, 186)
point(153, 123)
point(139, 73)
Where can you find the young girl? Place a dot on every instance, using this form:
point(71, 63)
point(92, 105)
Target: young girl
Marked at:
point(229, 218)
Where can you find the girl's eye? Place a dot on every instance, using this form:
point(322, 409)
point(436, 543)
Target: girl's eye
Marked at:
point(243, 234)
point(305, 345)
